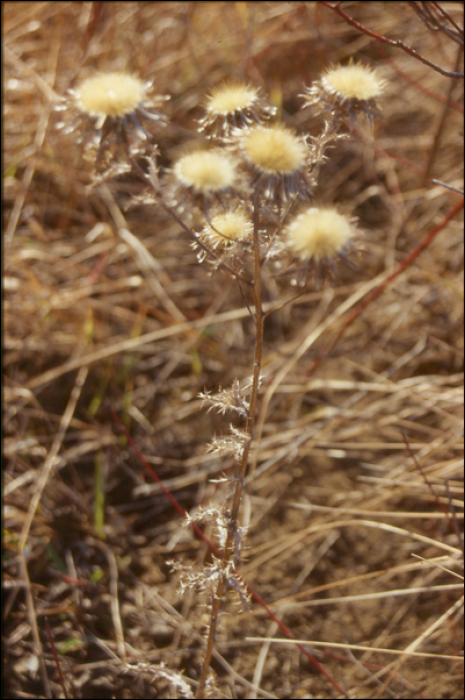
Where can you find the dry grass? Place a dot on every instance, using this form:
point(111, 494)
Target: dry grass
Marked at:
point(107, 308)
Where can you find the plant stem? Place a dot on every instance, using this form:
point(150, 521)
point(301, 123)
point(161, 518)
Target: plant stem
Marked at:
point(228, 562)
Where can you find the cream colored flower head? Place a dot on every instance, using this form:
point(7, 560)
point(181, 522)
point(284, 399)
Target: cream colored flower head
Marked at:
point(278, 159)
point(346, 90)
point(206, 172)
point(227, 228)
point(110, 95)
point(232, 106)
point(320, 234)
point(353, 82)
point(113, 104)
point(115, 95)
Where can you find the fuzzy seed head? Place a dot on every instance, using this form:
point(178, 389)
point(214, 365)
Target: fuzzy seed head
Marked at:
point(228, 227)
point(319, 234)
point(113, 94)
point(206, 172)
point(274, 150)
point(353, 82)
point(232, 106)
point(230, 98)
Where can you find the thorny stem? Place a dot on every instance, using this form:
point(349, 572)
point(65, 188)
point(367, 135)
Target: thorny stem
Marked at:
point(228, 561)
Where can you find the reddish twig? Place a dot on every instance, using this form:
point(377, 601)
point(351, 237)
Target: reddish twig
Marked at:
point(441, 125)
point(55, 657)
point(396, 43)
point(425, 11)
point(99, 266)
point(153, 475)
point(419, 86)
point(452, 523)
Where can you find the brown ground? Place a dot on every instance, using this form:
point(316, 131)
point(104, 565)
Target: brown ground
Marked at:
point(352, 538)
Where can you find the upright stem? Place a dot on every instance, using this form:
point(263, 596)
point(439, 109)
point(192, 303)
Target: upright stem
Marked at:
point(228, 556)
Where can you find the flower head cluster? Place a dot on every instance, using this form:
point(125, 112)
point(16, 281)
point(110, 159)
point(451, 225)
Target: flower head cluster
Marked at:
point(346, 90)
point(278, 160)
point(318, 235)
point(114, 108)
point(233, 106)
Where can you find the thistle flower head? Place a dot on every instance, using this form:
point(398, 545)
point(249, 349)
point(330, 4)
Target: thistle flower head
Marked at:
point(200, 178)
point(233, 106)
point(227, 227)
point(319, 235)
point(347, 90)
point(353, 82)
point(278, 159)
point(110, 95)
point(115, 105)
point(206, 172)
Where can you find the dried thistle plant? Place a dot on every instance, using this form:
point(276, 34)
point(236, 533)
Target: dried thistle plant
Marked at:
point(251, 189)
point(108, 308)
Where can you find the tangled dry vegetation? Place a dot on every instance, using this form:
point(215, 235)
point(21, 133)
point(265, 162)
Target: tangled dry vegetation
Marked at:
point(354, 499)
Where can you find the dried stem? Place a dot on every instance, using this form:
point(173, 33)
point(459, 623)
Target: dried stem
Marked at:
point(228, 561)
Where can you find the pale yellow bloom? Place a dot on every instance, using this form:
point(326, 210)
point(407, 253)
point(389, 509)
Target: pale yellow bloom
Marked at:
point(319, 234)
